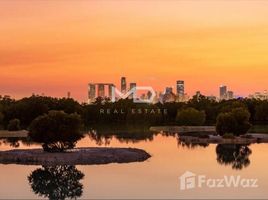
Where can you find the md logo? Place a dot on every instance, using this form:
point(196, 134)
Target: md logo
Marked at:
point(133, 93)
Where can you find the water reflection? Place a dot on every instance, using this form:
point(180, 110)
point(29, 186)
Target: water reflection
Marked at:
point(235, 155)
point(57, 182)
point(190, 143)
point(16, 142)
point(103, 136)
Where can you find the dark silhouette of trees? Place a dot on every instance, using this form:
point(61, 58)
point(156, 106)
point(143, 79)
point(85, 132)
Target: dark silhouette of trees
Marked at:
point(57, 182)
point(1, 120)
point(27, 109)
point(235, 155)
point(14, 125)
point(235, 122)
point(190, 117)
point(261, 114)
point(57, 131)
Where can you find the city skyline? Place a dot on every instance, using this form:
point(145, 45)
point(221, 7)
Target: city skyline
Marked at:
point(104, 89)
point(49, 50)
point(169, 93)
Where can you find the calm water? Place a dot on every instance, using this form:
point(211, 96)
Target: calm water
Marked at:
point(157, 177)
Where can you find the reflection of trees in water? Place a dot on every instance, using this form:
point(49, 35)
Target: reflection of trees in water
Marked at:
point(190, 143)
point(235, 155)
point(126, 135)
point(57, 182)
point(100, 139)
point(15, 141)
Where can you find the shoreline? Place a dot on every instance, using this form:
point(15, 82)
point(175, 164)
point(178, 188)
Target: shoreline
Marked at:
point(77, 156)
point(13, 134)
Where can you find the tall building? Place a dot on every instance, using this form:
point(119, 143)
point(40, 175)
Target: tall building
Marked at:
point(149, 94)
point(259, 95)
point(101, 91)
point(110, 90)
point(169, 96)
point(131, 86)
point(123, 85)
point(168, 90)
point(230, 94)
point(223, 92)
point(180, 88)
point(91, 92)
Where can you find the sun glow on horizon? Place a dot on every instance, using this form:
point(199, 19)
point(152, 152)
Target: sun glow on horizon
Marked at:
point(54, 47)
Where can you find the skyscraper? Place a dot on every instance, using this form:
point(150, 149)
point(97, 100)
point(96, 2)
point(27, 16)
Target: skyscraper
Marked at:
point(91, 92)
point(168, 90)
point(110, 90)
point(230, 94)
point(180, 88)
point(101, 91)
point(223, 92)
point(123, 85)
point(131, 86)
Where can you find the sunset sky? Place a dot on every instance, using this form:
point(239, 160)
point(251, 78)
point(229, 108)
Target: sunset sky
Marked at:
point(53, 47)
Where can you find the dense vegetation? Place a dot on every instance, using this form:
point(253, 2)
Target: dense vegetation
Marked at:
point(56, 131)
point(190, 117)
point(127, 112)
point(235, 122)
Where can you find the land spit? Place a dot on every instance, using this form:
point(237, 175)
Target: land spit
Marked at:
point(77, 156)
point(12, 134)
point(184, 129)
point(246, 139)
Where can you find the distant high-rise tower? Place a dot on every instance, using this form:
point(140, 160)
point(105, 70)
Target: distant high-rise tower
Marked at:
point(131, 86)
point(123, 85)
point(91, 92)
point(180, 88)
point(101, 91)
point(110, 90)
point(168, 90)
point(230, 94)
point(223, 92)
point(68, 95)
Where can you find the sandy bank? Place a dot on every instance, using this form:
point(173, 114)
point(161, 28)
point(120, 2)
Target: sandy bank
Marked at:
point(78, 156)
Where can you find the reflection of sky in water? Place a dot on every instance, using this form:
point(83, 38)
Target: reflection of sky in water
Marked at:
point(157, 177)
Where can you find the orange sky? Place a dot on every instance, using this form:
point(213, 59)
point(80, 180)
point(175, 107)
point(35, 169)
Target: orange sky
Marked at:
point(53, 47)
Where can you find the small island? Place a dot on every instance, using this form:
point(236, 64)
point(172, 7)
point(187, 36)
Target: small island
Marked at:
point(77, 156)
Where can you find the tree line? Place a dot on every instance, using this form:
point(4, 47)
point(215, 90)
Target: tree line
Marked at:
point(56, 123)
point(199, 110)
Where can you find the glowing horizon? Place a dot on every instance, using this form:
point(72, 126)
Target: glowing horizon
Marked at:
point(54, 47)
